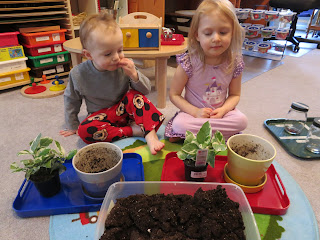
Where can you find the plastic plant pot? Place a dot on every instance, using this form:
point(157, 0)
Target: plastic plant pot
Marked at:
point(194, 173)
point(282, 33)
point(271, 15)
point(267, 32)
point(49, 187)
point(243, 13)
point(257, 14)
point(286, 17)
point(249, 45)
point(96, 184)
point(252, 32)
point(263, 47)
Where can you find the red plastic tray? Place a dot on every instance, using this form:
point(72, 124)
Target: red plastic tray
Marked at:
point(44, 49)
point(272, 199)
point(177, 39)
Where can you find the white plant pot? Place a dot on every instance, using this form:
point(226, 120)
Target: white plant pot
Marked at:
point(249, 170)
point(97, 184)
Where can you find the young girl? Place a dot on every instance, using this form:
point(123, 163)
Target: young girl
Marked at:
point(210, 72)
point(112, 88)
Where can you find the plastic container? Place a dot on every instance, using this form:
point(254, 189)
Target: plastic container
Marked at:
point(177, 39)
point(39, 38)
point(286, 17)
point(13, 65)
point(11, 53)
point(8, 37)
point(44, 49)
point(125, 189)
point(49, 59)
point(296, 118)
point(264, 47)
point(14, 77)
point(252, 32)
point(279, 48)
point(249, 45)
point(271, 15)
point(49, 70)
point(313, 137)
point(267, 32)
point(257, 14)
point(282, 33)
point(243, 13)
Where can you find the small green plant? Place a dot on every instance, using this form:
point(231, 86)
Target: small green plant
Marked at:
point(203, 140)
point(44, 158)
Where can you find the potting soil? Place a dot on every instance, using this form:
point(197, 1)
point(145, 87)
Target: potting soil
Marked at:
point(206, 215)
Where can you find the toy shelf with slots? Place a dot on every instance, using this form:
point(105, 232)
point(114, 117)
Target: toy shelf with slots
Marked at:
point(261, 26)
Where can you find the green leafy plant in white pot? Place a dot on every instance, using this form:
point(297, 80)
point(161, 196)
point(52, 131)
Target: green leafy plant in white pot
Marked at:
point(199, 151)
point(45, 164)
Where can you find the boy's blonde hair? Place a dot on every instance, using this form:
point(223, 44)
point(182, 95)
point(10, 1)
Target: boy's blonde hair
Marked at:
point(102, 21)
point(225, 7)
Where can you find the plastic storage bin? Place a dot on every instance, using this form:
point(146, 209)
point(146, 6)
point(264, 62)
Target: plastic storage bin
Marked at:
point(49, 59)
point(125, 189)
point(49, 70)
point(14, 77)
point(44, 49)
point(8, 38)
point(39, 38)
point(13, 65)
point(11, 53)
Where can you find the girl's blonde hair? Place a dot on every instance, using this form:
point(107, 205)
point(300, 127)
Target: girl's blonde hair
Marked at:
point(225, 7)
point(102, 21)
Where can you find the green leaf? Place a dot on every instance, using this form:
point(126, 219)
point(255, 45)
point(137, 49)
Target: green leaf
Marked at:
point(182, 155)
point(44, 152)
point(45, 142)
point(190, 148)
point(211, 157)
point(189, 137)
point(204, 133)
point(35, 143)
point(60, 148)
point(23, 152)
point(71, 154)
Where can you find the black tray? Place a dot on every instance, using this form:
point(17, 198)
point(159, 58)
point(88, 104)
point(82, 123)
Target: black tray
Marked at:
point(293, 144)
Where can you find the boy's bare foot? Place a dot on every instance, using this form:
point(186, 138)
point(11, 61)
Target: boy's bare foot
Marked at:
point(153, 142)
point(136, 130)
point(175, 139)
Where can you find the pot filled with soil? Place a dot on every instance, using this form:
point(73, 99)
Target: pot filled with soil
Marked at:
point(98, 165)
point(193, 172)
point(48, 184)
point(249, 158)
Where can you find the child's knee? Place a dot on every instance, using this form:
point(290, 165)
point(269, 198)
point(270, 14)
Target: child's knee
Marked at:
point(242, 122)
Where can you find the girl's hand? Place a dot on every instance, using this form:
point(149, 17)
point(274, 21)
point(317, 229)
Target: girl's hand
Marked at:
point(217, 113)
point(67, 133)
point(204, 113)
point(129, 68)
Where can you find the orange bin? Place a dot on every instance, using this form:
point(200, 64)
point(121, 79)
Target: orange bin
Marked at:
point(39, 38)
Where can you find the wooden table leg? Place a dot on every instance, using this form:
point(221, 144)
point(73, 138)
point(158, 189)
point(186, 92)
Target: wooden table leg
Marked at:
point(161, 81)
point(76, 58)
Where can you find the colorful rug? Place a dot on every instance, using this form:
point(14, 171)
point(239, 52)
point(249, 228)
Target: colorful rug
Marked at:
point(298, 223)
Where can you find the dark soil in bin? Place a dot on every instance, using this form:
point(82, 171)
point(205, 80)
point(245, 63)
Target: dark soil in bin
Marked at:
point(206, 215)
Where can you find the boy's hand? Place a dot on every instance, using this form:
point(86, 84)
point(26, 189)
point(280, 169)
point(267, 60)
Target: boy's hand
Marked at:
point(129, 69)
point(204, 112)
point(67, 133)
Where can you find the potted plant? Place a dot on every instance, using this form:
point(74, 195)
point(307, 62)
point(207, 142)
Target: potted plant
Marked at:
point(45, 166)
point(98, 165)
point(197, 151)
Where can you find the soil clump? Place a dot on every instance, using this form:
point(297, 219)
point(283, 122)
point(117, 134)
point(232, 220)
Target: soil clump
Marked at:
point(206, 215)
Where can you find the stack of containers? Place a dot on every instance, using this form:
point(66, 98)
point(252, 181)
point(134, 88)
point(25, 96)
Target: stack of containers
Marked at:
point(45, 52)
point(13, 68)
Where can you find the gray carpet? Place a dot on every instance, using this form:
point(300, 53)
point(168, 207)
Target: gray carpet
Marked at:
point(268, 94)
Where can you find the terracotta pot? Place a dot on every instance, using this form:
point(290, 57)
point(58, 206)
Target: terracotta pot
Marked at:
point(194, 173)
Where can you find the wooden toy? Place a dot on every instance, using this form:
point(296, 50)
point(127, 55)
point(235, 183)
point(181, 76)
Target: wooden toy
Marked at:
point(57, 86)
point(34, 89)
point(44, 80)
point(60, 81)
point(141, 31)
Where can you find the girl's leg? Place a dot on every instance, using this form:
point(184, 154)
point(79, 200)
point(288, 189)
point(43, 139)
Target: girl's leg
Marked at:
point(233, 122)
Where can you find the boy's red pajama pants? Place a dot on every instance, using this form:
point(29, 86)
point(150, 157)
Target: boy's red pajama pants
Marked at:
point(111, 124)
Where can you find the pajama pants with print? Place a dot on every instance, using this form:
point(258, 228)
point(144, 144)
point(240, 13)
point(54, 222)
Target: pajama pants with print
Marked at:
point(111, 124)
